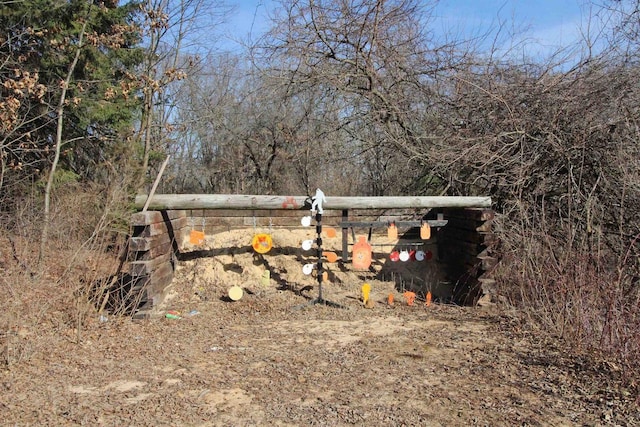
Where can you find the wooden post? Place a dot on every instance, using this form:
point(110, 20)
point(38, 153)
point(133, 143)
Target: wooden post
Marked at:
point(345, 236)
point(155, 184)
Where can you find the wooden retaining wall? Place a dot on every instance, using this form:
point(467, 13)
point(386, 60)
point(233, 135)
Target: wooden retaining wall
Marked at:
point(153, 247)
point(467, 248)
point(465, 241)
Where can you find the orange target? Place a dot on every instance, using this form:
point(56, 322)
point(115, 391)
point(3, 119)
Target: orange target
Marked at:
point(262, 243)
point(361, 254)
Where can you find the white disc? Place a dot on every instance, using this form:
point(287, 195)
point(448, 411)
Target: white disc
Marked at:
point(306, 245)
point(305, 221)
point(307, 269)
point(235, 293)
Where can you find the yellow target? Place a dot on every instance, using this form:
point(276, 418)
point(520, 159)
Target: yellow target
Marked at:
point(262, 243)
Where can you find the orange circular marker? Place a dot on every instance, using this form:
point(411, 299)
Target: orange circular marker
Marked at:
point(262, 243)
point(330, 232)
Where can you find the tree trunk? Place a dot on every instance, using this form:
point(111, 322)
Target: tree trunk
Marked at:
point(58, 147)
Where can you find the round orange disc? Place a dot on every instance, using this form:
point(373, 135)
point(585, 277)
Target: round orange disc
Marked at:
point(262, 243)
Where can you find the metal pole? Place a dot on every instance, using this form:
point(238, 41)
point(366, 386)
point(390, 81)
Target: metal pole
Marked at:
point(319, 244)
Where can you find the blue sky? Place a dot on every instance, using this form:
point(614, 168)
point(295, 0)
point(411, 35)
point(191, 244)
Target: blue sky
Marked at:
point(548, 23)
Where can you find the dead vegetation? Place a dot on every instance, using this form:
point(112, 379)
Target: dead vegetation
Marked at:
point(272, 359)
point(552, 140)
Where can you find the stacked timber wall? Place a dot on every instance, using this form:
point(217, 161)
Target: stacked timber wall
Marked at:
point(467, 248)
point(153, 250)
point(463, 239)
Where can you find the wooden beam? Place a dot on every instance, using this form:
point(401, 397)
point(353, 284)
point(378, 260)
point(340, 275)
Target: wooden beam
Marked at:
point(160, 228)
point(146, 267)
point(470, 213)
point(153, 217)
point(141, 244)
point(239, 201)
point(385, 224)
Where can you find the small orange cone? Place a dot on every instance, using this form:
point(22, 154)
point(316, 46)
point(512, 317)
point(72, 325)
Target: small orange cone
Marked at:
point(390, 299)
point(428, 299)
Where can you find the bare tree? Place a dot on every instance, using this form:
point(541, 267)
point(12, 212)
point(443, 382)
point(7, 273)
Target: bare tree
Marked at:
point(172, 29)
point(376, 58)
point(60, 109)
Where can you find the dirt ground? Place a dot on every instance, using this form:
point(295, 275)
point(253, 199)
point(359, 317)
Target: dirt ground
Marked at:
point(272, 358)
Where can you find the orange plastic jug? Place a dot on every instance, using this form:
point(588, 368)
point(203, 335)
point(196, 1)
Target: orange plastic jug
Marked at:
point(361, 254)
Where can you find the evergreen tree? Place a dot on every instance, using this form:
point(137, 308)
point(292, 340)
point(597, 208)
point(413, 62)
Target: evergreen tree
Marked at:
point(38, 39)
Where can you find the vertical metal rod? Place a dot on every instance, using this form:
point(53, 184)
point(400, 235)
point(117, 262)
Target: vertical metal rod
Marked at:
point(319, 244)
point(345, 236)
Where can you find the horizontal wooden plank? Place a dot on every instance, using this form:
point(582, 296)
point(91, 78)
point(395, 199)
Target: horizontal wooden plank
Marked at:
point(158, 284)
point(488, 262)
point(153, 217)
point(148, 217)
point(471, 236)
point(476, 214)
point(406, 202)
point(467, 224)
point(384, 224)
point(159, 228)
point(145, 281)
point(153, 288)
point(240, 201)
point(146, 267)
point(147, 243)
point(248, 222)
point(215, 213)
point(152, 253)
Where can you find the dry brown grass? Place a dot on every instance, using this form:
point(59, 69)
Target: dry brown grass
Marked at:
point(582, 296)
point(578, 298)
point(53, 295)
